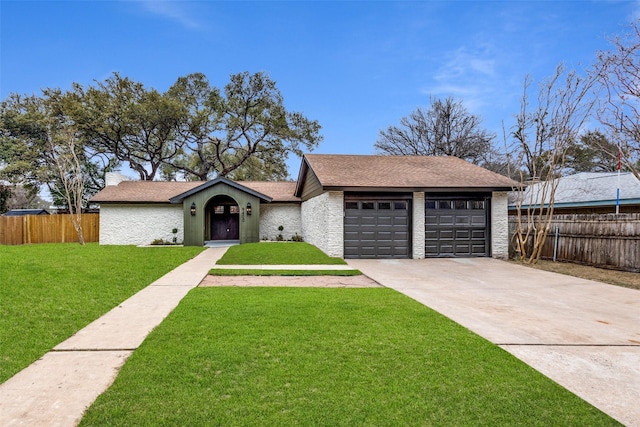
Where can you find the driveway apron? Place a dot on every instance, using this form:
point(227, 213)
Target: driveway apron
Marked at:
point(584, 335)
point(56, 389)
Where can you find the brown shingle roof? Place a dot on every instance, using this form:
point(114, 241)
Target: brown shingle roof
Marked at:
point(162, 191)
point(143, 191)
point(280, 191)
point(417, 172)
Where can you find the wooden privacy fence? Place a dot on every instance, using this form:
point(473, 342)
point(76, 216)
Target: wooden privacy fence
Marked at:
point(22, 230)
point(601, 240)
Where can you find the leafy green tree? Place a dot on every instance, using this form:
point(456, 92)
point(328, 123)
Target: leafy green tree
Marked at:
point(243, 128)
point(256, 168)
point(123, 121)
point(27, 125)
point(22, 141)
point(41, 130)
point(192, 131)
point(591, 153)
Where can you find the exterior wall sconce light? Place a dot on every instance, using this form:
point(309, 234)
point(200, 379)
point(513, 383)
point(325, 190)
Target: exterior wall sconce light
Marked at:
point(193, 209)
point(248, 208)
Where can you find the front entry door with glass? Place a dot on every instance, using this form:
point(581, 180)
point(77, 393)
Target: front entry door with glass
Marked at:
point(225, 224)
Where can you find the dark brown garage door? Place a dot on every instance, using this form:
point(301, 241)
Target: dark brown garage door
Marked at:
point(377, 228)
point(456, 227)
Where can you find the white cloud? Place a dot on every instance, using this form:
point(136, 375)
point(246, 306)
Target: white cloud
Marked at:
point(469, 75)
point(174, 10)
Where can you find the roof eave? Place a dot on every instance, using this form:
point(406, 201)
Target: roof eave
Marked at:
point(587, 204)
point(383, 189)
point(302, 174)
point(129, 202)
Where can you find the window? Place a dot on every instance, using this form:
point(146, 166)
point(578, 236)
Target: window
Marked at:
point(368, 205)
point(400, 206)
point(384, 206)
point(461, 204)
point(218, 210)
point(477, 204)
point(234, 209)
point(351, 205)
point(444, 204)
point(430, 204)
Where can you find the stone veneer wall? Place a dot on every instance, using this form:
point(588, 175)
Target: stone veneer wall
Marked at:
point(499, 225)
point(280, 214)
point(323, 222)
point(417, 227)
point(139, 224)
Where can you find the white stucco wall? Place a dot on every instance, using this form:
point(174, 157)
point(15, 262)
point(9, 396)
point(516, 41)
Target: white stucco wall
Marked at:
point(280, 214)
point(418, 226)
point(499, 225)
point(323, 222)
point(139, 224)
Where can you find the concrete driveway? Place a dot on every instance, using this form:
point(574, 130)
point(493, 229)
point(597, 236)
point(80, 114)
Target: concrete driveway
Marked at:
point(582, 334)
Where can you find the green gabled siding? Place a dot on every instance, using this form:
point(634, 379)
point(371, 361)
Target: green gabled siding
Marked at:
point(312, 186)
point(195, 226)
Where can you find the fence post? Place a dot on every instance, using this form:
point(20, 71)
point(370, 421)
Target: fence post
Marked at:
point(555, 245)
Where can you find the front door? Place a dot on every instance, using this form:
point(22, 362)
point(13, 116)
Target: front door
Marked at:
point(224, 222)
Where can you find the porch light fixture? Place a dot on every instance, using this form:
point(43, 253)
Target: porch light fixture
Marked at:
point(248, 208)
point(193, 209)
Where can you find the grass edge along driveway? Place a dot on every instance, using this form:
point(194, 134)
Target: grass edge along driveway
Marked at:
point(339, 357)
point(50, 291)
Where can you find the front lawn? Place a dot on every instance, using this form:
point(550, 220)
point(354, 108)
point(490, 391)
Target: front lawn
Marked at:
point(334, 357)
point(48, 292)
point(287, 253)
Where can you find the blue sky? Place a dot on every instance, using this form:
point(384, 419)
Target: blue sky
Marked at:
point(356, 67)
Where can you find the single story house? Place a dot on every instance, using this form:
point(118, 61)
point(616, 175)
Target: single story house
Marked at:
point(351, 206)
point(585, 193)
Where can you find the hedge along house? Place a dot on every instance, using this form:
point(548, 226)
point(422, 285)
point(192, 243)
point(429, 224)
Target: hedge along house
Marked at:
point(348, 206)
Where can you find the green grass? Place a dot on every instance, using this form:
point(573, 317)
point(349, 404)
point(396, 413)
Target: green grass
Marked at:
point(255, 272)
point(289, 253)
point(334, 357)
point(49, 292)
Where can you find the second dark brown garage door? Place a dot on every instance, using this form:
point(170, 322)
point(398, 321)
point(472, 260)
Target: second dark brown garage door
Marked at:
point(456, 227)
point(377, 228)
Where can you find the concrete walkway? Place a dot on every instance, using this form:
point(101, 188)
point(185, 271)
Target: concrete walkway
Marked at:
point(582, 334)
point(56, 390)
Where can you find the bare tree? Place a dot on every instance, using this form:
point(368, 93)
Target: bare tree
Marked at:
point(541, 137)
point(618, 70)
point(64, 152)
point(446, 129)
